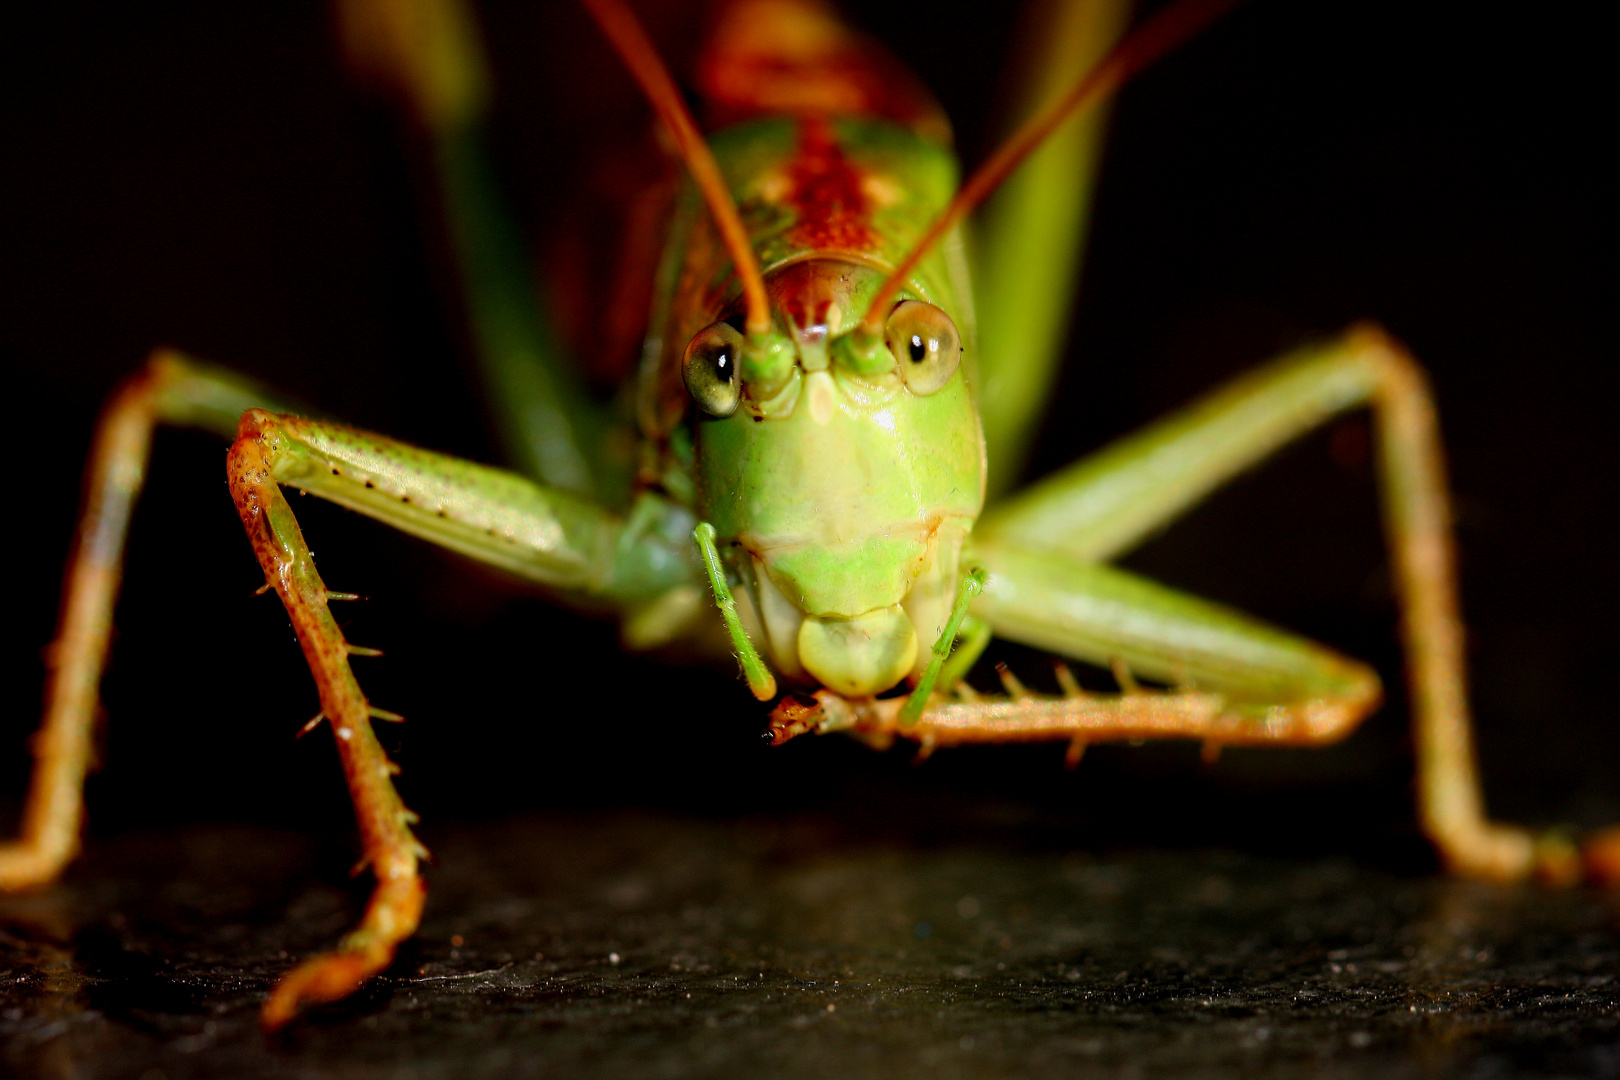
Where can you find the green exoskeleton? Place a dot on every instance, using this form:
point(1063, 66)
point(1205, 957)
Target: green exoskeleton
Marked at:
point(834, 396)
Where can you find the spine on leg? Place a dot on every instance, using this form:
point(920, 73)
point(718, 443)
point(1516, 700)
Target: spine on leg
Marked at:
point(390, 848)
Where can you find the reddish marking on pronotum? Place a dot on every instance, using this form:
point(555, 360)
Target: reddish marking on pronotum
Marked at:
point(799, 60)
point(832, 209)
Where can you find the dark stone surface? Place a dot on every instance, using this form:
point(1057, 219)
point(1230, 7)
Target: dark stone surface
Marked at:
point(804, 944)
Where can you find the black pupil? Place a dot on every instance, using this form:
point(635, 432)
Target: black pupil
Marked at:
point(919, 351)
point(722, 365)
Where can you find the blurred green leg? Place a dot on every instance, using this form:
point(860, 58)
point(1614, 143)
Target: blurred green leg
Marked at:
point(1033, 230)
point(171, 389)
point(1101, 614)
point(428, 53)
point(550, 427)
point(1107, 502)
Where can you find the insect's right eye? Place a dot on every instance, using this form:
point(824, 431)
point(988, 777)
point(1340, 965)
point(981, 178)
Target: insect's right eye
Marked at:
point(710, 369)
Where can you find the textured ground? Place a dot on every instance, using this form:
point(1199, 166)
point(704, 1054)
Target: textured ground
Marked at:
point(651, 945)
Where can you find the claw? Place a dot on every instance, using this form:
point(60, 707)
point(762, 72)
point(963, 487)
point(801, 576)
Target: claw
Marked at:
point(395, 910)
point(317, 981)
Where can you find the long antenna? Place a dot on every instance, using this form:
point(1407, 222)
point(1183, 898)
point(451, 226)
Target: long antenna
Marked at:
point(637, 52)
point(1169, 27)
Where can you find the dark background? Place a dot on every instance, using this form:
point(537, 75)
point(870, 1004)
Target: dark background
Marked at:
point(208, 178)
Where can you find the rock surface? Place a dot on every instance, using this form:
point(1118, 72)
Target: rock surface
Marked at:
point(635, 944)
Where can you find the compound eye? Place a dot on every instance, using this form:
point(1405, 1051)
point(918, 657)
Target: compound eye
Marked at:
point(710, 369)
point(924, 341)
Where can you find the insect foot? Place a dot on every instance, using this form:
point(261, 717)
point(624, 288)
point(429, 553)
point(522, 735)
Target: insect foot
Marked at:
point(395, 909)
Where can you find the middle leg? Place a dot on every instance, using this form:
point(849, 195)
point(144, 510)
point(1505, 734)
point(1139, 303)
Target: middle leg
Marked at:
point(1108, 502)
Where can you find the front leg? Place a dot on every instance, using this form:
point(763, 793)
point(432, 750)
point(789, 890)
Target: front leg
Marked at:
point(498, 517)
point(385, 834)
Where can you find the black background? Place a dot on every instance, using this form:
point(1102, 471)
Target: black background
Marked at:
point(207, 177)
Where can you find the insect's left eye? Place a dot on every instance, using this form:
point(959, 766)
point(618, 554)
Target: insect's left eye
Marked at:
point(924, 341)
point(710, 369)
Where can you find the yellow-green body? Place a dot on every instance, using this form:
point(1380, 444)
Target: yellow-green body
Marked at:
point(837, 494)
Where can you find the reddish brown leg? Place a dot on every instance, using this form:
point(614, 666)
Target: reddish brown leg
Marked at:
point(1418, 522)
point(1088, 719)
point(170, 389)
point(62, 747)
point(390, 848)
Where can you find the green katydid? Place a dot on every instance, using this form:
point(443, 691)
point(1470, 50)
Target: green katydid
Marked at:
point(1044, 581)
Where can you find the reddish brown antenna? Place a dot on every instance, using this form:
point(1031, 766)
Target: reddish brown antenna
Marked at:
point(1168, 27)
point(631, 43)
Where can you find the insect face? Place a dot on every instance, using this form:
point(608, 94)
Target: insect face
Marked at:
point(847, 483)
